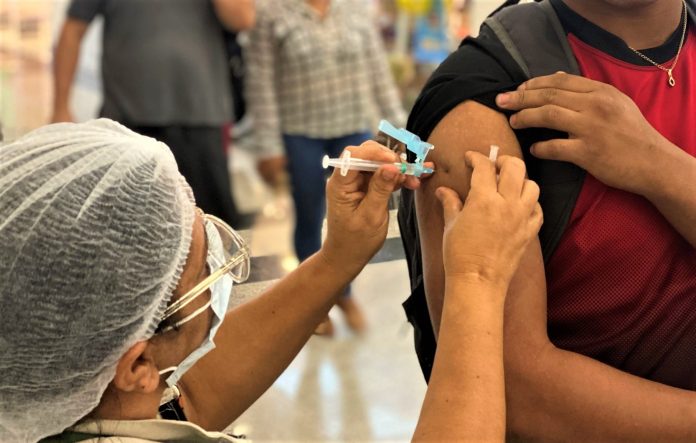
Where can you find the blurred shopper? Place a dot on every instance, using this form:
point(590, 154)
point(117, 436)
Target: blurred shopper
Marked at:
point(317, 72)
point(165, 74)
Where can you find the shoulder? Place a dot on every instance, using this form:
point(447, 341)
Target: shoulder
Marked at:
point(479, 69)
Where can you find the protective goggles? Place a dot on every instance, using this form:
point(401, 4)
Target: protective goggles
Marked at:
point(228, 254)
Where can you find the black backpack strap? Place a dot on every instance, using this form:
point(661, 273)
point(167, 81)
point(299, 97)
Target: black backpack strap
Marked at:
point(534, 37)
point(691, 9)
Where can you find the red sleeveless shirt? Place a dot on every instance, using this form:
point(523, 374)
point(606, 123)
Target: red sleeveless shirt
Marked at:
point(622, 282)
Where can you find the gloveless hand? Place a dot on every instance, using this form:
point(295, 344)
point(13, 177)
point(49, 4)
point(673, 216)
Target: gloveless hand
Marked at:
point(485, 236)
point(357, 207)
point(271, 169)
point(608, 135)
point(62, 115)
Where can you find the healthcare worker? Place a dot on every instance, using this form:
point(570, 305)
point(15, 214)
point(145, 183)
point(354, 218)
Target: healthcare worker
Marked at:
point(114, 288)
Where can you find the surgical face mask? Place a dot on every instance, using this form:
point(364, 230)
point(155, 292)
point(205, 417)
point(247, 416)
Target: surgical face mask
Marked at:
point(220, 291)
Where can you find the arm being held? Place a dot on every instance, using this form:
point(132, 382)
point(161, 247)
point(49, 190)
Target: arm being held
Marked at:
point(547, 389)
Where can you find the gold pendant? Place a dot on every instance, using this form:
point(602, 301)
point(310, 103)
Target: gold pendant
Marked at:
point(671, 80)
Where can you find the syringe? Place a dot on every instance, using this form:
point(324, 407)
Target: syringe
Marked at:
point(346, 163)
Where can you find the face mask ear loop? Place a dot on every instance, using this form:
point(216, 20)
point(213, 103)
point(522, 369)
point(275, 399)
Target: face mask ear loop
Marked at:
point(169, 369)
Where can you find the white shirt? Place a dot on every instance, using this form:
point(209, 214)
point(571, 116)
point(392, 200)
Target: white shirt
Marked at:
point(155, 430)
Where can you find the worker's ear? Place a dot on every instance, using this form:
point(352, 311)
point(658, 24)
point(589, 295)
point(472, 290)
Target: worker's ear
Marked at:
point(136, 371)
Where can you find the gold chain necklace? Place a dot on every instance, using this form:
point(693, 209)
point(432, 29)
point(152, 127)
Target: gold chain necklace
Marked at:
point(669, 70)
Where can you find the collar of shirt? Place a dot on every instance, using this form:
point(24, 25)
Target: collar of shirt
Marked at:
point(152, 430)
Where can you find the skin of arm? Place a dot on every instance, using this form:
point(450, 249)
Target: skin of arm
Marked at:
point(236, 15)
point(65, 64)
point(466, 393)
point(260, 338)
point(552, 394)
point(673, 192)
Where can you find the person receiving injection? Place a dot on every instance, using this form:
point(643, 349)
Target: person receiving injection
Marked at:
point(116, 289)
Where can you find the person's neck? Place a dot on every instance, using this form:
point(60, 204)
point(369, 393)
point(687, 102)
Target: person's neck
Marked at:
point(641, 26)
point(120, 405)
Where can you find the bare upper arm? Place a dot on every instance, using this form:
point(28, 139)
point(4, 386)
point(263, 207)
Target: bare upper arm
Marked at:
point(75, 28)
point(469, 126)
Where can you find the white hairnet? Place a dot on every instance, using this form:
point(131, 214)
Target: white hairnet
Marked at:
point(95, 228)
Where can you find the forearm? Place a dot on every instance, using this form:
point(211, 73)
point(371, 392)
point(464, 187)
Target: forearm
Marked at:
point(672, 190)
point(236, 15)
point(260, 338)
point(465, 400)
point(555, 395)
point(67, 55)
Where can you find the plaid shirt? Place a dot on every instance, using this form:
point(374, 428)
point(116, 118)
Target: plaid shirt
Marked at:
point(320, 78)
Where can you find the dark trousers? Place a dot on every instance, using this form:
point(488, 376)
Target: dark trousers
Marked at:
point(200, 154)
point(307, 178)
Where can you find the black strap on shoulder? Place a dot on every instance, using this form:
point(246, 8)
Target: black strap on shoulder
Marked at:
point(534, 37)
point(691, 9)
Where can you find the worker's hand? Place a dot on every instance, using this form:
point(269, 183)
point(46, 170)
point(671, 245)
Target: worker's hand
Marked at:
point(485, 236)
point(357, 207)
point(272, 169)
point(608, 135)
point(62, 115)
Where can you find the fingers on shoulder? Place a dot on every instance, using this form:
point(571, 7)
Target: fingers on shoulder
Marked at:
point(530, 192)
point(536, 220)
point(451, 202)
point(512, 176)
point(511, 162)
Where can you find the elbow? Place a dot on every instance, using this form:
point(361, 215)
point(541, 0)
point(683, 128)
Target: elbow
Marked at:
point(526, 369)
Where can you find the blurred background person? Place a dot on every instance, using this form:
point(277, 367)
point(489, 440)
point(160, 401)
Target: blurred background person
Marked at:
point(165, 74)
point(317, 75)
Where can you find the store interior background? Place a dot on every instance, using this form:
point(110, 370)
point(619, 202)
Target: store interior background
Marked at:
point(348, 388)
